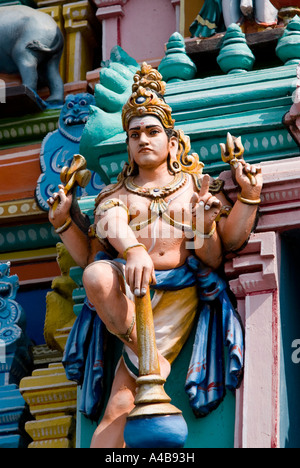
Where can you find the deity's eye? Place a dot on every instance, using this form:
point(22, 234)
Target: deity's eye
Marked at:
point(82, 102)
point(70, 105)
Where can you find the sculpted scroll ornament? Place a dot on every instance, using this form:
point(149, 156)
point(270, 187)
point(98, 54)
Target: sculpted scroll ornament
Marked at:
point(59, 147)
point(13, 337)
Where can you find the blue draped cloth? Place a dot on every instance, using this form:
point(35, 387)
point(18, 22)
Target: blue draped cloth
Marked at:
point(219, 325)
point(83, 357)
point(209, 21)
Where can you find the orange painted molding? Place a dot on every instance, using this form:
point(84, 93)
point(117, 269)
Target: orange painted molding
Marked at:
point(19, 172)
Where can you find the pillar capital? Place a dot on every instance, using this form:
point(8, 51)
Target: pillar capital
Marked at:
point(80, 39)
point(77, 15)
point(107, 12)
point(109, 3)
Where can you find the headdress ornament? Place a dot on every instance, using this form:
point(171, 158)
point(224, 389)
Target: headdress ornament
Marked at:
point(147, 98)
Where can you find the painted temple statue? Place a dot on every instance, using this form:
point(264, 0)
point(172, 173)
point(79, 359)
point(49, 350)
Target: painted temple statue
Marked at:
point(149, 225)
point(216, 15)
point(122, 253)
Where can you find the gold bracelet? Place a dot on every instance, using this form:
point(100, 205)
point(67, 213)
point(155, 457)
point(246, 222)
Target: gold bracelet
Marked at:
point(248, 201)
point(206, 236)
point(132, 247)
point(65, 226)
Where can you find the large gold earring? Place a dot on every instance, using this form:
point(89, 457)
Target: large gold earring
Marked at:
point(174, 165)
point(131, 167)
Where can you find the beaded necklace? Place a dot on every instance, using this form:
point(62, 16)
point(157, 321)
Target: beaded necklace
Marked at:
point(157, 194)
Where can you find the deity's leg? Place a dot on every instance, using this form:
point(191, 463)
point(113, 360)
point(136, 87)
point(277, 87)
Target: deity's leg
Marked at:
point(110, 432)
point(231, 11)
point(247, 7)
point(105, 289)
point(265, 12)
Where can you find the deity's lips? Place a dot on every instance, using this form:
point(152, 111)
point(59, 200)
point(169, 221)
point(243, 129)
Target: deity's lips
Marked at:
point(145, 150)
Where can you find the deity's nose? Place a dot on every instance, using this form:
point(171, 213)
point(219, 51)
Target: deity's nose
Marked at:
point(143, 139)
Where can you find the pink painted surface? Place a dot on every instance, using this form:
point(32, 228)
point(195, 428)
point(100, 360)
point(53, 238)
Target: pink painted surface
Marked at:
point(129, 23)
point(254, 278)
point(280, 207)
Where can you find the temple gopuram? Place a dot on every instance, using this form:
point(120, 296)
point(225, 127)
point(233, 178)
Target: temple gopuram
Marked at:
point(227, 70)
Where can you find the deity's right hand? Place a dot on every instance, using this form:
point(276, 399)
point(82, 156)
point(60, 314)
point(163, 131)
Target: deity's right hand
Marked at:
point(205, 207)
point(58, 214)
point(139, 271)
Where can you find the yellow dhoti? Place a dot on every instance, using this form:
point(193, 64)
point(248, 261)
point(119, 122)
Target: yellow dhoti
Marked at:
point(173, 314)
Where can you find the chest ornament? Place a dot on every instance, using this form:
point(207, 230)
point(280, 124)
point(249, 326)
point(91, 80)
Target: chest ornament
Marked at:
point(157, 194)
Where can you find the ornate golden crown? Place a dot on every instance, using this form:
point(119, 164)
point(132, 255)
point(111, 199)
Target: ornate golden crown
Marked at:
point(144, 99)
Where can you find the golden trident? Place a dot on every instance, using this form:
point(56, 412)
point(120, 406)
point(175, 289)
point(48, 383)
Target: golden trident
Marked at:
point(232, 152)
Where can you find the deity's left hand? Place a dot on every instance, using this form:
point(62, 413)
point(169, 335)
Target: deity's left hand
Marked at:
point(249, 178)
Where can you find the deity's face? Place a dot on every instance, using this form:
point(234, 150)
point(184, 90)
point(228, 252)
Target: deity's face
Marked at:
point(148, 143)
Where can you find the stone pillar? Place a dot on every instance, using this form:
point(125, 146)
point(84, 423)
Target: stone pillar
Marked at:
point(109, 14)
point(80, 40)
point(254, 278)
point(176, 4)
point(254, 281)
point(50, 395)
point(55, 11)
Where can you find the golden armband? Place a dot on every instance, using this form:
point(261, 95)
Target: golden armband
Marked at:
point(109, 204)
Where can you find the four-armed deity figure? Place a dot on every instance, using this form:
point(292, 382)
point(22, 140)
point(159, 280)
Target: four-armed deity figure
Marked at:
point(162, 216)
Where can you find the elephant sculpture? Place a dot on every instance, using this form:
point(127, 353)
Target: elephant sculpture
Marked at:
point(31, 43)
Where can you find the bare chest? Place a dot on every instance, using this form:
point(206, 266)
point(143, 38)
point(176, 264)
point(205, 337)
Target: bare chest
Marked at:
point(170, 212)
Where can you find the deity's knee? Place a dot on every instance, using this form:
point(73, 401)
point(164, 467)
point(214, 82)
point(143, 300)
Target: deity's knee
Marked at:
point(98, 280)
